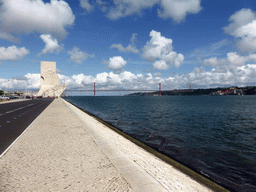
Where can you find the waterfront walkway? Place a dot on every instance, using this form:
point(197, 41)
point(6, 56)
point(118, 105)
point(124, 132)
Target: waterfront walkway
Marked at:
point(12, 100)
point(65, 149)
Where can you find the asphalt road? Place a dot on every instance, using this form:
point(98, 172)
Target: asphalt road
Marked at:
point(16, 117)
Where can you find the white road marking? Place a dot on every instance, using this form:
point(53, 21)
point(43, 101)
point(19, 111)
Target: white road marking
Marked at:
point(14, 118)
point(18, 109)
point(7, 121)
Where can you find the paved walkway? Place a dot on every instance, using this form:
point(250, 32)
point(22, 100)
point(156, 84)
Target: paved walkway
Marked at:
point(12, 100)
point(65, 149)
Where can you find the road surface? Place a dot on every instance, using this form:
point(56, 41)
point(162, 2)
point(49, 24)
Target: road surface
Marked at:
point(16, 117)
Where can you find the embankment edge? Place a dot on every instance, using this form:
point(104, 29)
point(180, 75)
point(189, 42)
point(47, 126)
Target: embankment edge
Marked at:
point(184, 169)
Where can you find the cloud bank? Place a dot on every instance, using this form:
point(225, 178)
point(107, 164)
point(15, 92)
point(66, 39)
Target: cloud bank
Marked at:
point(244, 75)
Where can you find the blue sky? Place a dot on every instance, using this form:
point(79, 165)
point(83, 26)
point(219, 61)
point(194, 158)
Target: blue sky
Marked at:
point(129, 43)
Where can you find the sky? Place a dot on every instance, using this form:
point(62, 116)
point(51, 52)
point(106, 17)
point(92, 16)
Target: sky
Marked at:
point(129, 44)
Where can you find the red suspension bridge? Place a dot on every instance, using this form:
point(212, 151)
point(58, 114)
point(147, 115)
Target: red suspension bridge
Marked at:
point(94, 90)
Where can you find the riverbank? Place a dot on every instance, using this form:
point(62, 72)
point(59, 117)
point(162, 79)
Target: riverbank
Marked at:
point(65, 149)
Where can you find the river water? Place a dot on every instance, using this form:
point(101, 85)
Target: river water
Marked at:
point(214, 135)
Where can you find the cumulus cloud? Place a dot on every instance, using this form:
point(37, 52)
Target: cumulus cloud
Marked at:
point(160, 51)
point(116, 63)
point(77, 56)
point(33, 81)
point(214, 62)
point(28, 81)
point(174, 9)
point(243, 26)
point(12, 53)
point(178, 9)
point(86, 5)
point(121, 48)
point(130, 48)
point(232, 61)
point(51, 45)
point(123, 8)
point(26, 16)
point(111, 80)
point(238, 19)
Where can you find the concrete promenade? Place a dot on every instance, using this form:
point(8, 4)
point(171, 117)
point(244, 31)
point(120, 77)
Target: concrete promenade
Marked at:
point(12, 100)
point(65, 149)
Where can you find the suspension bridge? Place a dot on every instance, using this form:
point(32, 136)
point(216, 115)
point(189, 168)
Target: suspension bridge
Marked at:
point(95, 90)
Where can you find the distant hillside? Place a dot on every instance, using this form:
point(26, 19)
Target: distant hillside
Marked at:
point(250, 90)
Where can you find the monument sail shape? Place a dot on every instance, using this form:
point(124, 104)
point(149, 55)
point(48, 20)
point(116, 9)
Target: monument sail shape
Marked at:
point(50, 81)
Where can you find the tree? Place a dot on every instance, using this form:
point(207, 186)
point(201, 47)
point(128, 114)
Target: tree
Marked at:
point(1, 92)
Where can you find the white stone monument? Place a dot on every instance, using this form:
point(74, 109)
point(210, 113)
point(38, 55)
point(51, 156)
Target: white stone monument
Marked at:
point(50, 81)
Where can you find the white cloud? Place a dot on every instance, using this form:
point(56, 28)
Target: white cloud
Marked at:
point(116, 63)
point(130, 48)
point(160, 65)
point(157, 74)
point(178, 9)
point(51, 45)
point(12, 53)
point(26, 16)
point(214, 61)
point(236, 60)
point(29, 81)
point(243, 27)
point(175, 9)
point(86, 5)
point(123, 8)
point(160, 51)
point(232, 61)
point(77, 56)
point(33, 81)
point(240, 18)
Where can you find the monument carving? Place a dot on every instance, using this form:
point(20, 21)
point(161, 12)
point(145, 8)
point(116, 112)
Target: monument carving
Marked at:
point(49, 81)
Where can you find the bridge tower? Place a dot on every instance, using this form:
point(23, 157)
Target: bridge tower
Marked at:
point(159, 89)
